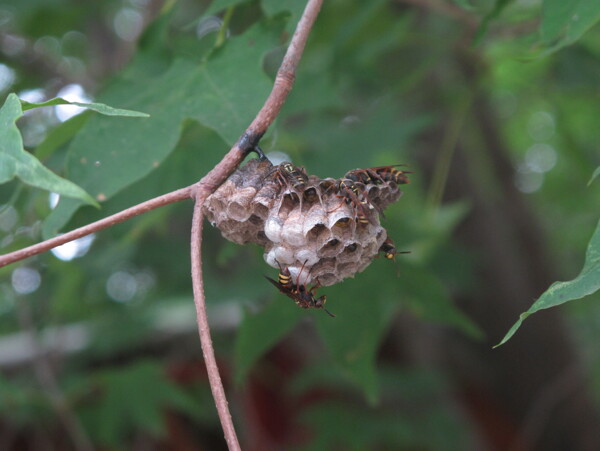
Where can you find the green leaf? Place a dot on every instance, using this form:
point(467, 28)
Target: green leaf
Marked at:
point(564, 22)
point(61, 135)
point(107, 156)
point(260, 332)
point(586, 283)
point(492, 15)
point(98, 107)
point(15, 161)
point(594, 175)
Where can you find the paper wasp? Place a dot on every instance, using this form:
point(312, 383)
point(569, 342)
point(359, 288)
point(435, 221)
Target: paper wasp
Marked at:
point(364, 176)
point(389, 173)
point(389, 249)
point(352, 196)
point(303, 297)
point(379, 175)
point(287, 174)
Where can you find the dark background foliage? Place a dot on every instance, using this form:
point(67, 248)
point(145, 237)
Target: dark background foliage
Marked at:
point(493, 104)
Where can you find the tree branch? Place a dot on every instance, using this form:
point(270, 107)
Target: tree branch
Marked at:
point(272, 106)
point(265, 117)
point(165, 199)
point(216, 385)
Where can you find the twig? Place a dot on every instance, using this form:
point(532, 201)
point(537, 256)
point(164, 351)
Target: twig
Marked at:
point(165, 199)
point(447, 148)
point(47, 380)
point(216, 385)
point(267, 114)
point(265, 117)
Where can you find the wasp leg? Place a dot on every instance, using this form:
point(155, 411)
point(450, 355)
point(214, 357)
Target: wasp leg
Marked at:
point(315, 287)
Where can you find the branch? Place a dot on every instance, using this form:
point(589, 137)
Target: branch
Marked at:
point(281, 88)
point(267, 114)
point(216, 385)
point(165, 199)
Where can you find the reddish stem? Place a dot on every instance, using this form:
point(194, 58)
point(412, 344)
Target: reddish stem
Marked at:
point(165, 199)
point(281, 88)
point(216, 385)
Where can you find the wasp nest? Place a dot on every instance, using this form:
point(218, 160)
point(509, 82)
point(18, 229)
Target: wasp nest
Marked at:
point(322, 230)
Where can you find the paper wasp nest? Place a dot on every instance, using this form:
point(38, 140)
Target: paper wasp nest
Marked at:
point(329, 229)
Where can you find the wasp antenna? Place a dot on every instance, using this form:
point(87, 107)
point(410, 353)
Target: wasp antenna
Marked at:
point(328, 312)
point(279, 264)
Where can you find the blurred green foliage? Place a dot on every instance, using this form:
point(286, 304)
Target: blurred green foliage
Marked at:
point(375, 77)
point(16, 162)
point(585, 284)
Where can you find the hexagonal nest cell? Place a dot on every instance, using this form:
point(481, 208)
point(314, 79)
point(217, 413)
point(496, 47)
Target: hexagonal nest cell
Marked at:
point(320, 230)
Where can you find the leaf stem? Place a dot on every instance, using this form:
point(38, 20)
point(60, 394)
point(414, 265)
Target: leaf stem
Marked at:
point(224, 27)
point(447, 149)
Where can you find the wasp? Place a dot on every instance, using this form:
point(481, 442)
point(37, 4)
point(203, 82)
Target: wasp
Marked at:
point(300, 294)
point(389, 249)
point(365, 176)
point(352, 195)
point(390, 174)
point(284, 278)
point(379, 175)
point(348, 186)
point(287, 174)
